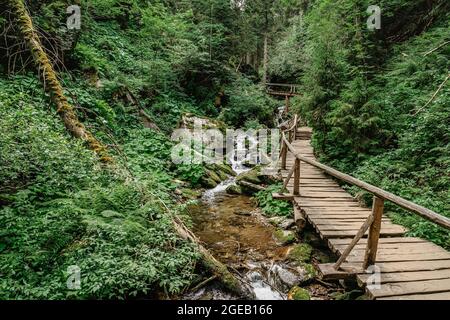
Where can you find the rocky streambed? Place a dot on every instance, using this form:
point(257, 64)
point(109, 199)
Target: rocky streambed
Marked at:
point(268, 254)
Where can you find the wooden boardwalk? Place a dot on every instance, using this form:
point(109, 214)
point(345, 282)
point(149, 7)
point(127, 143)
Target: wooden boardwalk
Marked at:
point(411, 268)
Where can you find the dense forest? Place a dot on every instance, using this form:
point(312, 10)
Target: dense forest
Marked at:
point(86, 117)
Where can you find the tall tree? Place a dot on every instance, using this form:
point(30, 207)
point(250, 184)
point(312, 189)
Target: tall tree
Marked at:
point(51, 82)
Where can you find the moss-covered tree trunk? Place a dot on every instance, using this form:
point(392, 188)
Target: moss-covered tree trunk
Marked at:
point(50, 79)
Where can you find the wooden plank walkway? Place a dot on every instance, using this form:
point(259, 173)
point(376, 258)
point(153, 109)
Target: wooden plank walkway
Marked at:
point(411, 268)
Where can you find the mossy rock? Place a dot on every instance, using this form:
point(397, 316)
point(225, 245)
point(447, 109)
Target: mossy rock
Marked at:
point(214, 176)
point(275, 221)
point(310, 272)
point(300, 253)
point(351, 295)
point(209, 183)
point(234, 189)
point(251, 176)
point(190, 193)
point(226, 168)
point(222, 175)
point(297, 293)
point(284, 237)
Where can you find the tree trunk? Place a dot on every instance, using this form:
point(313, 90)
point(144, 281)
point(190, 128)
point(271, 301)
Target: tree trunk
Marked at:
point(51, 82)
point(266, 58)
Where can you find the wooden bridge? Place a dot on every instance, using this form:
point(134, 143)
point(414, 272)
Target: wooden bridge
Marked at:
point(282, 89)
point(369, 246)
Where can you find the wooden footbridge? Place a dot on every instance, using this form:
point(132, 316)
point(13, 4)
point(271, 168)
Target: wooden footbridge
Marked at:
point(369, 246)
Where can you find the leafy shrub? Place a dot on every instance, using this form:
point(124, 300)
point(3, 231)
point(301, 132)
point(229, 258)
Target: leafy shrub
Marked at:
point(273, 207)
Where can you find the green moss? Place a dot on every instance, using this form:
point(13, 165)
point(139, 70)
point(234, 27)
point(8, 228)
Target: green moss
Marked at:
point(191, 193)
point(300, 253)
point(234, 189)
point(297, 293)
point(251, 176)
point(284, 237)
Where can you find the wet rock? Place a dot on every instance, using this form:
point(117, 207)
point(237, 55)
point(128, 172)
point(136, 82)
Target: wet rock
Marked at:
point(284, 237)
point(249, 188)
point(297, 293)
point(251, 176)
point(213, 175)
point(307, 271)
point(242, 213)
point(234, 189)
point(275, 220)
point(300, 253)
point(287, 224)
point(226, 168)
point(209, 183)
point(283, 278)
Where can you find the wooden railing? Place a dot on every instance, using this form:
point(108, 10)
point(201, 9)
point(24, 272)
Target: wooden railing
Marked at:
point(282, 89)
point(373, 222)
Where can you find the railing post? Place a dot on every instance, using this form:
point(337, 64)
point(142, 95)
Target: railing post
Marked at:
point(283, 155)
point(297, 177)
point(374, 233)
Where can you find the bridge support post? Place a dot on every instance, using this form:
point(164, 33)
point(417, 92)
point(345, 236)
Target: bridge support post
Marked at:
point(284, 150)
point(288, 103)
point(374, 233)
point(297, 177)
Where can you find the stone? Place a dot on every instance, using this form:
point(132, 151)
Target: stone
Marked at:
point(275, 220)
point(209, 183)
point(287, 224)
point(214, 176)
point(284, 237)
point(234, 189)
point(297, 293)
point(300, 253)
point(242, 213)
point(190, 193)
point(286, 278)
point(250, 176)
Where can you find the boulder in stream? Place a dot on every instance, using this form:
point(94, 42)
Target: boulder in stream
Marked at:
point(234, 189)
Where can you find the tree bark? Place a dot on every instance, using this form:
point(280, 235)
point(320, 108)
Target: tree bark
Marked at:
point(266, 58)
point(51, 82)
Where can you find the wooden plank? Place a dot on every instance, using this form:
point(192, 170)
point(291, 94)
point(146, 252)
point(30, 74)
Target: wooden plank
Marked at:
point(415, 287)
point(355, 226)
point(406, 266)
point(351, 233)
point(328, 272)
point(283, 196)
point(429, 296)
point(385, 240)
point(401, 249)
point(355, 257)
point(391, 277)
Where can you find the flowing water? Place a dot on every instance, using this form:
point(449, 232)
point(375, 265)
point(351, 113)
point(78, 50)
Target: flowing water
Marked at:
point(231, 227)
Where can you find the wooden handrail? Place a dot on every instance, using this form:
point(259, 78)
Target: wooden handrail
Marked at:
point(281, 85)
point(380, 193)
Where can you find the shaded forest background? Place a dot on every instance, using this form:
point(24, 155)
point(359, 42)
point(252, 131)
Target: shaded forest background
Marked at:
point(135, 67)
